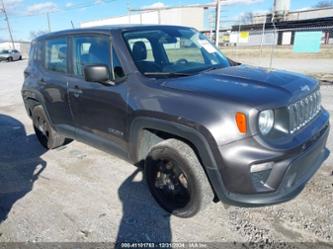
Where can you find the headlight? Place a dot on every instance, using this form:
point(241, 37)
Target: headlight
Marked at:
point(266, 121)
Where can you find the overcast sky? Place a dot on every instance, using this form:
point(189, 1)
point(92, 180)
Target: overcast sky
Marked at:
point(28, 16)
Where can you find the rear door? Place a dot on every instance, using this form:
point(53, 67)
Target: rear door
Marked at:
point(99, 110)
point(53, 82)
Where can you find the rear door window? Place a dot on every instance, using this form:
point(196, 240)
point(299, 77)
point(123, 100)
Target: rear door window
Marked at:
point(56, 55)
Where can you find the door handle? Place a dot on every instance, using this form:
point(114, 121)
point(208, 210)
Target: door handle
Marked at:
point(76, 91)
point(42, 81)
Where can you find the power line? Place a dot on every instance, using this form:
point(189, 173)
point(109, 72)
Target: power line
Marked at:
point(74, 7)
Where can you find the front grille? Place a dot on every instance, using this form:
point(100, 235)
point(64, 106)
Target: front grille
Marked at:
point(303, 111)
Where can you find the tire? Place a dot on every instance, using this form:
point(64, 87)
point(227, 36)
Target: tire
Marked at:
point(20, 58)
point(9, 59)
point(46, 135)
point(189, 191)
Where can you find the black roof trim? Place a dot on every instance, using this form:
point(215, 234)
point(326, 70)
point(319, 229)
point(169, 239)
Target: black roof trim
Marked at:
point(104, 29)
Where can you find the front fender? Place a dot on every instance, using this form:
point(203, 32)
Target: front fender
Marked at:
point(199, 137)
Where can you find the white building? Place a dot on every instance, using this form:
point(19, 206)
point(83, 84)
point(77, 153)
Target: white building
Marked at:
point(192, 16)
point(22, 46)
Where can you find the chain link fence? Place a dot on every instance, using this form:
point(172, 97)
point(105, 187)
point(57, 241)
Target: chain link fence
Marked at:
point(306, 49)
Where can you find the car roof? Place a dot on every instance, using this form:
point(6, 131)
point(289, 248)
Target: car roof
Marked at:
point(121, 27)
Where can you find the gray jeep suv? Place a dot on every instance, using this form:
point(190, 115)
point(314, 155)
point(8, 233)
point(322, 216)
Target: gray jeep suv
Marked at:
point(204, 127)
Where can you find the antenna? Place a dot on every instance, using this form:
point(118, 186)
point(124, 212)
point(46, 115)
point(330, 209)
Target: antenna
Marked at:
point(73, 27)
point(48, 21)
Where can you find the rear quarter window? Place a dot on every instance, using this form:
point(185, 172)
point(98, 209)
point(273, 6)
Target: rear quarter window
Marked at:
point(32, 52)
point(35, 53)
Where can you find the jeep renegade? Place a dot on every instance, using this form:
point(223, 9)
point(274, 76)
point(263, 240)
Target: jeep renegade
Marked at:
point(204, 127)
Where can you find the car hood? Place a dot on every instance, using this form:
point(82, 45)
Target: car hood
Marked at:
point(249, 85)
point(4, 54)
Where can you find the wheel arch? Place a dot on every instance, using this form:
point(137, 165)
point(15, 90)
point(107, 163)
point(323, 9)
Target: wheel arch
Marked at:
point(31, 99)
point(146, 132)
point(30, 104)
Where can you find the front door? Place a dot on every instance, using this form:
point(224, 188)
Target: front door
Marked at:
point(99, 110)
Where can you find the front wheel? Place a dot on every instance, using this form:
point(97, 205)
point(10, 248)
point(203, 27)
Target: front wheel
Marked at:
point(176, 178)
point(46, 135)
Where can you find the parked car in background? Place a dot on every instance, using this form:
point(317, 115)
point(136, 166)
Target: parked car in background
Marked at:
point(10, 55)
point(204, 127)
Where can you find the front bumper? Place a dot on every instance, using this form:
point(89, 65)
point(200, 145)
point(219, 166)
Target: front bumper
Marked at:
point(289, 172)
point(3, 58)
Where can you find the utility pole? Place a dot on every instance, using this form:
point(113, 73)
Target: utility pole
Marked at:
point(159, 16)
point(217, 22)
point(262, 38)
point(48, 21)
point(128, 4)
point(8, 25)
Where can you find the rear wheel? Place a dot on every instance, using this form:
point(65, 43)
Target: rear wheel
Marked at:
point(46, 135)
point(176, 178)
point(20, 58)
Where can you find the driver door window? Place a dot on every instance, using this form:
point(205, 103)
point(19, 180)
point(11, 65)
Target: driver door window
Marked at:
point(89, 50)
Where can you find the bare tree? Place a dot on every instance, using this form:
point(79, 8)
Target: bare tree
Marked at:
point(247, 18)
point(324, 3)
point(34, 34)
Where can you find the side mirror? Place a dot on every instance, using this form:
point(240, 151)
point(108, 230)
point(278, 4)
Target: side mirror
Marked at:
point(233, 63)
point(97, 73)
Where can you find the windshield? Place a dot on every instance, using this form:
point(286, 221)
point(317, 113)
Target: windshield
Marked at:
point(173, 51)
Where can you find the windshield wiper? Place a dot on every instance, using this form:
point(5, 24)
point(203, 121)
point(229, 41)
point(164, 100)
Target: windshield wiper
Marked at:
point(167, 74)
point(211, 69)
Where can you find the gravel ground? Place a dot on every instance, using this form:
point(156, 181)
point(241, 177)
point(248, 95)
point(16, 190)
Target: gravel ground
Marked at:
point(309, 65)
point(80, 194)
